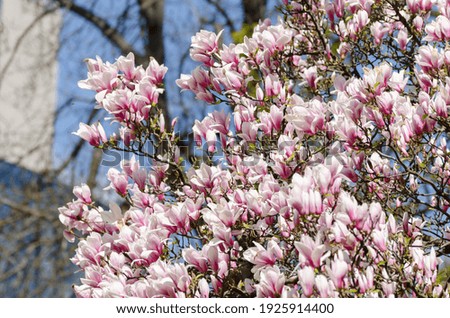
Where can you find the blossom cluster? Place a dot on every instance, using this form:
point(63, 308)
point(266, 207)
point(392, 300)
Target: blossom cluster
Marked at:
point(333, 170)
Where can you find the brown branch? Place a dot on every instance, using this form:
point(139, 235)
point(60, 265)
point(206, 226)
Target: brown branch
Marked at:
point(152, 12)
point(254, 10)
point(225, 15)
point(26, 209)
point(109, 31)
point(76, 150)
point(96, 160)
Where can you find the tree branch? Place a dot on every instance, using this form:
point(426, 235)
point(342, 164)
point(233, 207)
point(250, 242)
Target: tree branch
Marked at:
point(225, 15)
point(110, 32)
point(76, 150)
point(26, 209)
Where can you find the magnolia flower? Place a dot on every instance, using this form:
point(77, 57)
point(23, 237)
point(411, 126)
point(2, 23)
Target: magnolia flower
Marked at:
point(271, 283)
point(118, 180)
point(204, 45)
point(378, 30)
point(83, 193)
point(402, 39)
point(203, 289)
point(311, 77)
point(155, 72)
point(94, 134)
point(338, 270)
point(299, 191)
point(324, 286)
point(310, 253)
point(261, 256)
point(196, 258)
point(306, 278)
point(126, 66)
point(438, 30)
point(429, 59)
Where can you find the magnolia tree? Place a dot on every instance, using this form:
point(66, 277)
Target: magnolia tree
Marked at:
point(328, 177)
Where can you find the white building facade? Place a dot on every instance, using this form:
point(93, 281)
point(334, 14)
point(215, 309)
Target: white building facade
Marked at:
point(29, 41)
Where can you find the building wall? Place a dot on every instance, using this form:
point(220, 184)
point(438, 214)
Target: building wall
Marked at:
point(28, 46)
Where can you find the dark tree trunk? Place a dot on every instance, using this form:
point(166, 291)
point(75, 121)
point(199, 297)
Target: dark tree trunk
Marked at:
point(152, 13)
point(254, 10)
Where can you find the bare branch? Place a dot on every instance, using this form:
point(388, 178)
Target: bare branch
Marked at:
point(76, 150)
point(226, 16)
point(110, 32)
point(26, 209)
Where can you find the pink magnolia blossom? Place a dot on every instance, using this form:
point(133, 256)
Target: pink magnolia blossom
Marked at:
point(311, 252)
point(204, 45)
point(308, 118)
point(155, 72)
point(311, 77)
point(438, 30)
point(306, 278)
point(102, 77)
point(338, 270)
point(271, 283)
point(126, 66)
point(378, 30)
point(118, 180)
point(306, 184)
point(194, 257)
point(83, 193)
point(203, 288)
point(199, 83)
point(402, 39)
point(261, 256)
point(94, 134)
point(429, 59)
